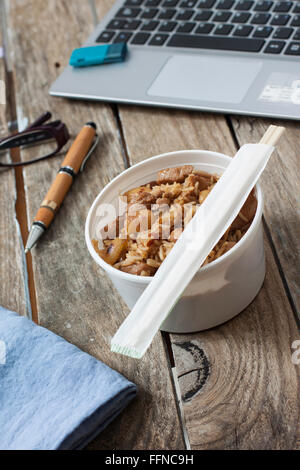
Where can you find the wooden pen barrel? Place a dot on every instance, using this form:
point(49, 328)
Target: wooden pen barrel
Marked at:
point(54, 199)
point(63, 181)
point(81, 146)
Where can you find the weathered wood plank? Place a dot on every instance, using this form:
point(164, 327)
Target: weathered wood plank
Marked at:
point(239, 387)
point(74, 297)
point(12, 268)
point(281, 186)
point(151, 131)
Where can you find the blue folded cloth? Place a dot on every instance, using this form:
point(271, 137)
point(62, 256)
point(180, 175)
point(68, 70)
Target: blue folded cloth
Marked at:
point(52, 395)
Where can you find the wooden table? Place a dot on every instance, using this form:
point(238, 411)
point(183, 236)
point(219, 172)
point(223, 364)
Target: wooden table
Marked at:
point(233, 387)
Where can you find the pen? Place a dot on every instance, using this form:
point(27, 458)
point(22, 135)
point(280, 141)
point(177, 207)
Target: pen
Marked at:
point(74, 162)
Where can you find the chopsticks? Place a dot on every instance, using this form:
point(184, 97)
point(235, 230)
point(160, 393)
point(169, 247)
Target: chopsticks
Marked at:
point(272, 135)
point(211, 220)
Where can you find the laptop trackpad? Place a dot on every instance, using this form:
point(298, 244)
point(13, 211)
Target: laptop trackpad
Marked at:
point(204, 78)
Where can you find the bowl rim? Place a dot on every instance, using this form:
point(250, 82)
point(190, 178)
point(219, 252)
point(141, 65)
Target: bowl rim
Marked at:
point(205, 269)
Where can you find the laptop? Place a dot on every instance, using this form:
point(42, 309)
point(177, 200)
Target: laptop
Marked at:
point(227, 56)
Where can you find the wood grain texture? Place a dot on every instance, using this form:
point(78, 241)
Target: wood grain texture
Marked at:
point(281, 186)
point(239, 387)
point(12, 287)
point(74, 297)
point(151, 131)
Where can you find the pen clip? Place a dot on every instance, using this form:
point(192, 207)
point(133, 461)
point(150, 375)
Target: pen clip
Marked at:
point(94, 145)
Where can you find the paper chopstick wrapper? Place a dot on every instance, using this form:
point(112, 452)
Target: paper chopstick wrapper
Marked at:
point(206, 228)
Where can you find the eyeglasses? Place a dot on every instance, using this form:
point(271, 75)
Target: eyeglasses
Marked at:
point(37, 133)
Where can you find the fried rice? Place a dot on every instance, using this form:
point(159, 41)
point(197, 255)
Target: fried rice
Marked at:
point(155, 217)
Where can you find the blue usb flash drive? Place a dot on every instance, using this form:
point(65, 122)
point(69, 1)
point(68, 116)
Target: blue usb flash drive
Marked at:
point(97, 55)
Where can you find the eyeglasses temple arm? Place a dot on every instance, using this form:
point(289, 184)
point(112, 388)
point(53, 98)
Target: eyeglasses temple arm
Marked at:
point(41, 120)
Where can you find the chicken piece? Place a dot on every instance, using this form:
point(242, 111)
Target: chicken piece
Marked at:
point(211, 179)
point(171, 175)
point(157, 192)
point(113, 252)
point(246, 214)
point(141, 195)
point(191, 180)
point(163, 201)
point(138, 268)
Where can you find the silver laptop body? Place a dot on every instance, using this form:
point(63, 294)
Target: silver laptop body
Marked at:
point(252, 83)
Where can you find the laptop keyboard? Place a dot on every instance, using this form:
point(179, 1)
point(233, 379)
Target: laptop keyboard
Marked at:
point(271, 27)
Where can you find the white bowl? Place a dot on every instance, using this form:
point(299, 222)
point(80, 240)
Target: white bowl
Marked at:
point(221, 289)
